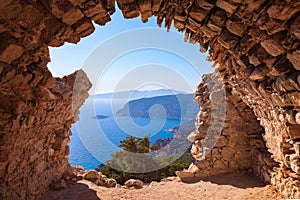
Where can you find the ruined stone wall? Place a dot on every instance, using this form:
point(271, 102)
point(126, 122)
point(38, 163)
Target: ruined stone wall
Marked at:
point(228, 137)
point(255, 44)
point(36, 116)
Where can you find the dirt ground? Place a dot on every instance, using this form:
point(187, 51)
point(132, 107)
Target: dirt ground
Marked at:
point(233, 186)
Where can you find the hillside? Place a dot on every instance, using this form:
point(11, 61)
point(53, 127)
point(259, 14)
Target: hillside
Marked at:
point(179, 143)
point(181, 106)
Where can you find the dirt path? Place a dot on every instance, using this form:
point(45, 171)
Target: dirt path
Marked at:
point(239, 187)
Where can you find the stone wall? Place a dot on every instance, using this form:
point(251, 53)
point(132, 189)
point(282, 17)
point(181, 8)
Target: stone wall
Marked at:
point(255, 45)
point(228, 137)
point(35, 121)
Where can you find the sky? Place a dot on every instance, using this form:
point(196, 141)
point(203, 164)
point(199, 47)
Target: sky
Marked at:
point(129, 55)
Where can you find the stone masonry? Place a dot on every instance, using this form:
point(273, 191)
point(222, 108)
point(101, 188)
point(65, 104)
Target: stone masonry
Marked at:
point(228, 137)
point(254, 45)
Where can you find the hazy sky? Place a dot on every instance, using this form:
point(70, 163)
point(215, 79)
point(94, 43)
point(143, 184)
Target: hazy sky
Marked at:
point(128, 54)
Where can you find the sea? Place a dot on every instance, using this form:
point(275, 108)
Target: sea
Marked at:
point(97, 134)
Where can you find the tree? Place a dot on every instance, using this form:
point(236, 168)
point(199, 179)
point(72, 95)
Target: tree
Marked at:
point(129, 144)
point(144, 145)
point(124, 161)
point(137, 145)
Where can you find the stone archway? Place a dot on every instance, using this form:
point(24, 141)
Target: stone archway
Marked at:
point(255, 45)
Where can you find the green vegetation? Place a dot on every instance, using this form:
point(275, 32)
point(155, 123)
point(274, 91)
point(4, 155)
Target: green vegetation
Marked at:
point(142, 159)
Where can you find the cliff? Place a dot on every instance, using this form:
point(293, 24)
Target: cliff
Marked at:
point(179, 144)
point(180, 106)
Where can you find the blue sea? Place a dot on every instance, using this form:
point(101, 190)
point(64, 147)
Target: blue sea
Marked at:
point(94, 140)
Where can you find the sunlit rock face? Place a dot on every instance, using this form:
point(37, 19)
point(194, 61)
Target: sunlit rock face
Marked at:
point(254, 45)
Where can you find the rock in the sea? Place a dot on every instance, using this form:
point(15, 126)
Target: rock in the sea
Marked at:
point(134, 183)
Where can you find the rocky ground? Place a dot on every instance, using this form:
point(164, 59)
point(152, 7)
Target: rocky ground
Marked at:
point(233, 186)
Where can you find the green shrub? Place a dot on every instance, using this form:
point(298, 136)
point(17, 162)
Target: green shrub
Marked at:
point(129, 162)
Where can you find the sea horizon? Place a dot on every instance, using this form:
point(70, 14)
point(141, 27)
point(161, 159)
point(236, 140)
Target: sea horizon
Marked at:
point(94, 140)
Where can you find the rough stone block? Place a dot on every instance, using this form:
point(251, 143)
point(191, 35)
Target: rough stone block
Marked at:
point(295, 166)
point(228, 153)
point(192, 25)
point(91, 175)
point(259, 73)
point(215, 153)
point(294, 58)
point(253, 5)
point(102, 20)
point(272, 26)
point(146, 15)
point(293, 98)
point(85, 29)
point(273, 47)
point(221, 141)
point(30, 17)
point(204, 4)
point(207, 31)
point(246, 43)
point(220, 166)
point(134, 183)
point(11, 53)
point(179, 24)
point(282, 11)
point(284, 84)
point(180, 16)
point(110, 6)
point(130, 10)
point(96, 10)
point(236, 27)
point(185, 175)
point(72, 16)
point(227, 39)
point(198, 13)
point(219, 18)
point(228, 6)
point(294, 131)
point(215, 28)
point(253, 60)
point(12, 10)
point(144, 5)
point(156, 5)
point(77, 2)
point(295, 27)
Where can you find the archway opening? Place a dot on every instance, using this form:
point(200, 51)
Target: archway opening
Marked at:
point(256, 44)
point(128, 60)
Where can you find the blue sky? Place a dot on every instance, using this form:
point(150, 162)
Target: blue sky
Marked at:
point(128, 54)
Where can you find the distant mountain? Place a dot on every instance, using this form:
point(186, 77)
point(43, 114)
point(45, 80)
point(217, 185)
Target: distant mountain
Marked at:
point(136, 94)
point(180, 106)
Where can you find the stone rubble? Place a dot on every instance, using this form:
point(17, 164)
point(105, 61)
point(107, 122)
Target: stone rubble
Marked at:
point(134, 183)
point(78, 173)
